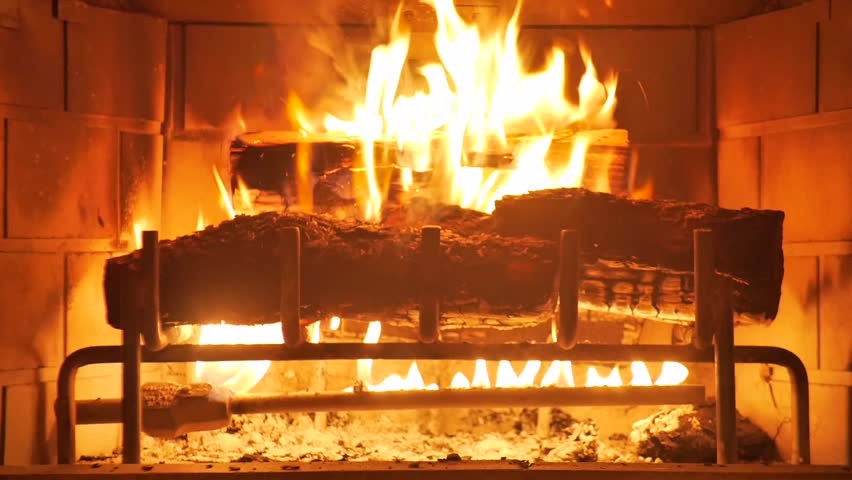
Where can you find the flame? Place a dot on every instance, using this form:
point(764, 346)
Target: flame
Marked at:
point(506, 377)
point(672, 373)
point(314, 333)
point(644, 191)
point(460, 381)
point(480, 375)
point(224, 196)
point(365, 366)
point(239, 377)
point(138, 228)
point(593, 379)
point(334, 323)
point(199, 223)
point(641, 377)
point(246, 204)
point(559, 374)
point(478, 102)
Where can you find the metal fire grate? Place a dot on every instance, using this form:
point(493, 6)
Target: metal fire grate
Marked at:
point(713, 343)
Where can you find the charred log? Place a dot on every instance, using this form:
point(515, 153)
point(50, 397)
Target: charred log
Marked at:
point(688, 434)
point(230, 272)
point(659, 234)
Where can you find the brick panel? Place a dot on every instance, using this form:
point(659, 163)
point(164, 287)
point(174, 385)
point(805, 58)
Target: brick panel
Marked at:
point(680, 173)
point(766, 65)
point(86, 314)
point(141, 176)
point(33, 79)
point(835, 65)
point(31, 308)
point(796, 327)
point(806, 173)
point(62, 180)
point(835, 305)
point(657, 100)
point(30, 424)
point(739, 173)
point(116, 64)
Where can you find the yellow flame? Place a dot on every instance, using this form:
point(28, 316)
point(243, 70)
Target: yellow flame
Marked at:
point(314, 333)
point(224, 196)
point(460, 381)
point(559, 374)
point(506, 377)
point(239, 377)
point(480, 99)
point(199, 222)
point(527, 376)
point(365, 366)
point(138, 228)
point(672, 373)
point(641, 376)
point(334, 323)
point(480, 375)
point(593, 379)
point(246, 203)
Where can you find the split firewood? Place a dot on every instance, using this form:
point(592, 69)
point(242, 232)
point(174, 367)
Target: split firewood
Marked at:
point(488, 267)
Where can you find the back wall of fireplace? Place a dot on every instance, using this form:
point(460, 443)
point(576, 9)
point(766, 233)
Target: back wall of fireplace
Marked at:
point(113, 112)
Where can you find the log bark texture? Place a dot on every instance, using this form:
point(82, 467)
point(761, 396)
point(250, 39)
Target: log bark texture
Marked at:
point(659, 234)
point(231, 272)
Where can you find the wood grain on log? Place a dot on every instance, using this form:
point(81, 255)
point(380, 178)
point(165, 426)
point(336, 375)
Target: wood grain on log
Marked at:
point(230, 272)
point(659, 234)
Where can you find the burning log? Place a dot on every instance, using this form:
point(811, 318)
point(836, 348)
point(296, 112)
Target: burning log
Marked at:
point(688, 434)
point(631, 262)
point(659, 234)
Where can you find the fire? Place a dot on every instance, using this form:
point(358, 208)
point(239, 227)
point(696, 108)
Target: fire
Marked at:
point(412, 381)
point(673, 373)
point(246, 203)
point(138, 228)
point(239, 377)
point(199, 222)
point(224, 196)
point(479, 102)
point(593, 379)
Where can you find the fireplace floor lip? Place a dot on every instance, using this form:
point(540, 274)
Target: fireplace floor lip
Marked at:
point(461, 470)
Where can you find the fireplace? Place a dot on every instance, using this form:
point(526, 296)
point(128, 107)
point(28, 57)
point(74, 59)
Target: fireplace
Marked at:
point(164, 162)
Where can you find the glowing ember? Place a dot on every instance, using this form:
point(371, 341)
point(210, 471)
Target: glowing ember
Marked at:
point(239, 377)
point(479, 101)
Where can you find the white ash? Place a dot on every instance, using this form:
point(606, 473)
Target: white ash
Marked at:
point(394, 436)
point(667, 420)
